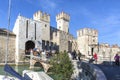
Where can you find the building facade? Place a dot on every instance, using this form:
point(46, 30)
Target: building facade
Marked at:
point(87, 39)
point(37, 33)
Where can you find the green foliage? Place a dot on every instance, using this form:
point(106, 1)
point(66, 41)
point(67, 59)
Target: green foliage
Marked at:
point(62, 67)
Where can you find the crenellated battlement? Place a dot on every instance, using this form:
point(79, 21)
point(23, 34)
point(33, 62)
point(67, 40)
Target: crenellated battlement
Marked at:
point(63, 15)
point(40, 16)
point(87, 31)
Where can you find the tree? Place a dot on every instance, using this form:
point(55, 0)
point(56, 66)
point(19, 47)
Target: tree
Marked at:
point(62, 67)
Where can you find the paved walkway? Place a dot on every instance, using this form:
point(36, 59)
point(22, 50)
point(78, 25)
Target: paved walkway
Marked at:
point(111, 72)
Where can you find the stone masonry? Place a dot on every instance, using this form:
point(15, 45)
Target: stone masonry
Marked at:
point(37, 33)
point(3, 45)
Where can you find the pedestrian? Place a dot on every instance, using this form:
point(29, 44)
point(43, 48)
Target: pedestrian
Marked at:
point(116, 58)
point(95, 57)
point(79, 55)
point(74, 55)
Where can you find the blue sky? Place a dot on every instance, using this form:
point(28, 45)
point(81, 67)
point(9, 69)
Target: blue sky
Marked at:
point(103, 15)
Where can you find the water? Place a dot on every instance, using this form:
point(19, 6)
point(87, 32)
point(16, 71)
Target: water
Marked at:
point(18, 69)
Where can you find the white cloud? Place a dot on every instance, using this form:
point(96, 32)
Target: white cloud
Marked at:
point(104, 22)
point(112, 38)
point(47, 4)
point(50, 3)
point(107, 24)
point(43, 3)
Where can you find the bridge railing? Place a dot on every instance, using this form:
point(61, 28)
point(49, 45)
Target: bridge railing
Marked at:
point(41, 56)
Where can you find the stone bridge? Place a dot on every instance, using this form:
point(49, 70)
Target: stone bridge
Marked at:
point(37, 59)
point(45, 64)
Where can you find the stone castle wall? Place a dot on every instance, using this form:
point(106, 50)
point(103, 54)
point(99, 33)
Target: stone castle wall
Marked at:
point(38, 29)
point(3, 48)
point(62, 20)
point(86, 39)
point(26, 30)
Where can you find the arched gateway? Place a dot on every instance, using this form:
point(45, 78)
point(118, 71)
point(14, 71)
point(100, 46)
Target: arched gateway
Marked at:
point(28, 46)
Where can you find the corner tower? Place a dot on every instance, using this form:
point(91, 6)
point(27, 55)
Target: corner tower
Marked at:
point(62, 20)
point(44, 19)
point(40, 16)
point(87, 40)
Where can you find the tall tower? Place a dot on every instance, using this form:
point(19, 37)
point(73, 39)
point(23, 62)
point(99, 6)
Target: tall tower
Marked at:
point(44, 19)
point(87, 39)
point(62, 20)
point(40, 16)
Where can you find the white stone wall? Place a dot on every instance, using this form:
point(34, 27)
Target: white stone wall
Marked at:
point(82, 44)
point(20, 31)
point(44, 19)
point(56, 37)
point(106, 52)
point(61, 38)
point(62, 25)
point(45, 29)
point(86, 39)
point(62, 20)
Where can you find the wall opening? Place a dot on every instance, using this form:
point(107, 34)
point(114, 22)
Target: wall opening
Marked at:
point(69, 46)
point(28, 46)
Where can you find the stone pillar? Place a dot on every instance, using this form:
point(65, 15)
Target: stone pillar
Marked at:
point(31, 60)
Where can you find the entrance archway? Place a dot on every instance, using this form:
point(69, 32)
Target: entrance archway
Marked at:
point(28, 46)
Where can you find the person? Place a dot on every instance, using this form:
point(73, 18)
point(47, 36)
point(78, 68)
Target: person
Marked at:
point(116, 58)
point(74, 55)
point(79, 55)
point(43, 55)
point(91, 60)
point(95, 57)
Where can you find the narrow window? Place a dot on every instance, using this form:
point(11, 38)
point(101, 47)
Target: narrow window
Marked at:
point(35, 31)
point(27, 29)
point(45, 25)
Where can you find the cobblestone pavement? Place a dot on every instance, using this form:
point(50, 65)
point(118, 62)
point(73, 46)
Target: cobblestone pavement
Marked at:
point(112, 72)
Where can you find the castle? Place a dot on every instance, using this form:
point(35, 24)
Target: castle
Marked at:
point(37, 33)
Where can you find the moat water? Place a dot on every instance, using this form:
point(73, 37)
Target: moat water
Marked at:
point(18, 69)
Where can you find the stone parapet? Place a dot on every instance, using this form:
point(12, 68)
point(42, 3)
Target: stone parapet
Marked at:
point(91, 72)
point(39, 15)
point(63, 15)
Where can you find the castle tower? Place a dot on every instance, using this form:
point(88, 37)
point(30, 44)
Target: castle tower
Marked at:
point(40, 16)
point(62, 20)
point(44, 19)
point(87, 40)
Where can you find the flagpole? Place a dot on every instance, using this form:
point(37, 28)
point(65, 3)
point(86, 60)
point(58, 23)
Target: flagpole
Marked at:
point(7, 32)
